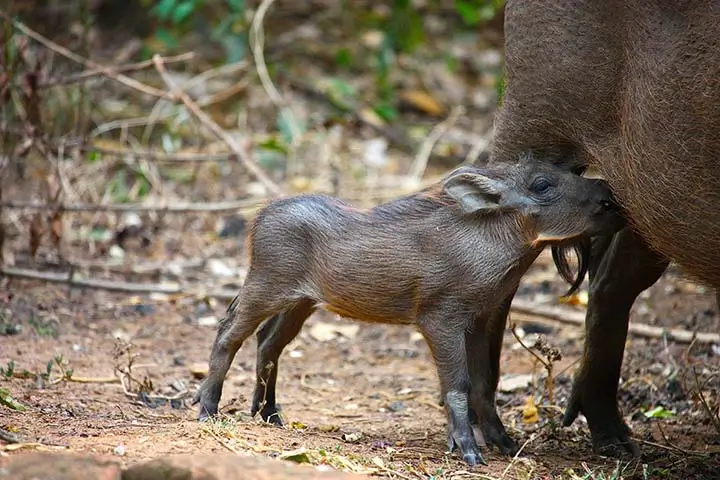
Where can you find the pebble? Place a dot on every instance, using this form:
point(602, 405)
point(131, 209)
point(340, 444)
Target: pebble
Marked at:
point(352, 437)
point(209, 321)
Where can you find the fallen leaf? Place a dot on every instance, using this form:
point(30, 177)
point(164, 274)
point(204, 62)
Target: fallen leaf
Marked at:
point(199, 370)
point(299, 456)
point(368, 115)
point(8, 400)
point(659, 412)
point(423, 101)
point(576, 299)
point(298, 425)
point(530, 411)
point(301, 184)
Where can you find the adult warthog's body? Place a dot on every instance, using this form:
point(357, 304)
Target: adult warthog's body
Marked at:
point(631, 89)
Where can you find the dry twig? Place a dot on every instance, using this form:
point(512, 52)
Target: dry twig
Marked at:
point(124, 287)
point(573, 317)
point(113, 70)
point(257, 40)
point(215, 128)
point(161, 156)
point(517, 455)
point(417, 169)
point(218, 207)
point(547, 363)
point(78, 143)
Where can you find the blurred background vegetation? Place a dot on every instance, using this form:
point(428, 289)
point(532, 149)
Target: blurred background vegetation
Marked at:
point(354, 98)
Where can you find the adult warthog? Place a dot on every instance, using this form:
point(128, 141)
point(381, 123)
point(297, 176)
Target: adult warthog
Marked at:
point(632, 89)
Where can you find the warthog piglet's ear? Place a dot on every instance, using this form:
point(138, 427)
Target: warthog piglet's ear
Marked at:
point(475, 192)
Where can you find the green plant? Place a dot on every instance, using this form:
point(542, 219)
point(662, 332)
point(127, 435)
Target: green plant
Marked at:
point(9, 370)
point(403, 32)
point(7, 399)
point(223, 20)
point(44, 329)
point(474, 12)
point(65, 373)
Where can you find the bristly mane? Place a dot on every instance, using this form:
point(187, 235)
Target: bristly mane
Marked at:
point(414, 205)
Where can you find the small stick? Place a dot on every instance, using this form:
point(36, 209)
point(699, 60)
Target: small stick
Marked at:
point(257, 39)
point(222, 442)
point(215, 128)
point(179, 207)
point(124, 375)
point(112, 70)
point(417, 169)
point(565, 315)
point(96, 283)
point(75, 379)
point(125, 268)
point(160, 156)
point(381, 465)
point(121, 152)
point(480, 146)
point(672, 448)
point(548, 365)
point(36, 445)
point(514, 459)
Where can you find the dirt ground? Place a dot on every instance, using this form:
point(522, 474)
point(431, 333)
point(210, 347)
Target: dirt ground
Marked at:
point(355, 396)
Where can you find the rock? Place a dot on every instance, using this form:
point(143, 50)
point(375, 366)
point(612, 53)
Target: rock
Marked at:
point(221, 467)
point(219, 268)
point(513, 382)
point(353, 437)
point(208, 321)
point(54, 466)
